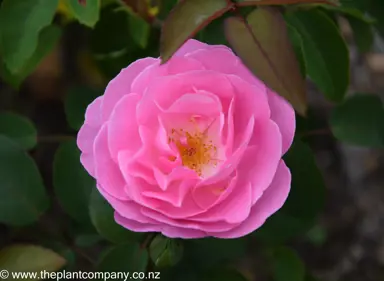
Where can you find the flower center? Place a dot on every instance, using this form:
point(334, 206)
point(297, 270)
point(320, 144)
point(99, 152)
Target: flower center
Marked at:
point(196, 150)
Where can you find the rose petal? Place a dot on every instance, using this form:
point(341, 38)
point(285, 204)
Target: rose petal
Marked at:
point(284, 116)
point(176, 66)
point(260, 161)
point(185, 233)
point(93, 113)
point(249, 101)
point(190, 46)
point(223, 60)
point(86, 138)
point(217, 226)
point(121, 84)
point(130, 166)
point(271, 201)
point(123, 133)
point(234, 209)
point(136, 226)
point(107, 172)
point(163, 91)
point(208, 196)
point(88, 162)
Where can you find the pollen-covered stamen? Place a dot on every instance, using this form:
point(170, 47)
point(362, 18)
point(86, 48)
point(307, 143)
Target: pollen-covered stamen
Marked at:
point(196, 150)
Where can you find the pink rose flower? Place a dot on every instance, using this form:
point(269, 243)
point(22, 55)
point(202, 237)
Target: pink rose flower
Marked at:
point(191, 148)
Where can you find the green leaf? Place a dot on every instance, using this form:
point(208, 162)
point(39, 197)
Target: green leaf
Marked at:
point(302, 201)
point(305, 200)
point(29, 258)
point(165, 8)
point(87, 14)
point(48, 38)
point(76, 102)
point(353, 12)
point(327, 61)
point(376, 8)
point(139, 29)
point(102, 216)
point(354, 3)
point(361, 25)
point(62, 250)
point(264, 46)
point(287, 265)
point(20, 24)
point(125, 258)
point(23, 198)
point(297, 44)
point(208, 252)
point(87, 240)
point(19, 129)
point(223, 274)
point(359, 121)
point(362, 32)
point(317, 235)
point(72, 183)
point(112, 50)
point(165, 252)
point(185, 20)
point(213, 33)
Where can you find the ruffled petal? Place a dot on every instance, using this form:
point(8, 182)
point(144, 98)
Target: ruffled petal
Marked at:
point(284, 116)
point(123, 133)
point(93, 113)
point(271, 201)
point(107, 172)
point(121, 85)
point(191, 45)
point(260, 161)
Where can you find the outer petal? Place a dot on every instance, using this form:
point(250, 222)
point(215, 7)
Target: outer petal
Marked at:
point(214, 227)
point(222, 59)
point(271, 201)
point(126, 208)
point(86, 138)
point(107, 172)
point(175, 66)
point(92, 124)
point(135, 225)
point(249, 101)
point(93, 113)
point(179, 232)
point(284, 116)
point(88, 162)
point(190, 46)
point(123, 131)
point(121, 84)
point(260, 161)
point(234, 209)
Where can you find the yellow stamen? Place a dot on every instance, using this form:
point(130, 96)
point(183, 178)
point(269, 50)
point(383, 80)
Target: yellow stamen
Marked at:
point(195, 151)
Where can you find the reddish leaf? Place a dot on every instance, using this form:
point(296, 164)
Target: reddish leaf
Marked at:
point(185, 20)
point(83, 2)
point(263, 44)
point(284, 2)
